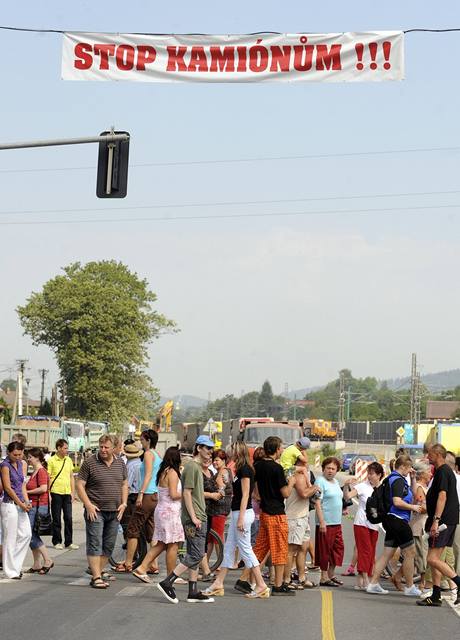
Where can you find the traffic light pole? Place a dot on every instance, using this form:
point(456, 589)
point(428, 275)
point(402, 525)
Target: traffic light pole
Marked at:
point(112, 165)
point(109, 137)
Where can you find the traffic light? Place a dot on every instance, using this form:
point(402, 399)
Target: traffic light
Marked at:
point(112, 166)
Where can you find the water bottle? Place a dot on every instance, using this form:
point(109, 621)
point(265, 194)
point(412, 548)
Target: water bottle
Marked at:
point(442, 527)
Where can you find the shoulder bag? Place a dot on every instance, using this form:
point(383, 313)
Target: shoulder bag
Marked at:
point(43, 525)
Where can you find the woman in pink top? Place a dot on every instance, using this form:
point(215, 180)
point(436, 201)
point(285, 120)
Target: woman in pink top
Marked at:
point(168, 526)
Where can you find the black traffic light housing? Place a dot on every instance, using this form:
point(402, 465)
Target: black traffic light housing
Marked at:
point(112, 166)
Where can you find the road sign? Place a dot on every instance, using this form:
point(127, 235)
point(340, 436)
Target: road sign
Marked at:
point(112, 165)
point(400, 432)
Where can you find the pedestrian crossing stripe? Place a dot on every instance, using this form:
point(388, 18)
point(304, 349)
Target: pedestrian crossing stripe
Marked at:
point(81, 582)
point(131, 591)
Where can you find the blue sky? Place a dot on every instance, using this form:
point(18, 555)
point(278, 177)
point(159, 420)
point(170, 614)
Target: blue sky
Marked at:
point(288, 298)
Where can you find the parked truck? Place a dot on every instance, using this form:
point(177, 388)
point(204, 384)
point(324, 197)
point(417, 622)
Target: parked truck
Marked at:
point(44, 431)
point(186, 433)
point(255, 433)
point(39, 431)
point(319, 430)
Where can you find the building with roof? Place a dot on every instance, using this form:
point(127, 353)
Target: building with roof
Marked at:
point(441, 409)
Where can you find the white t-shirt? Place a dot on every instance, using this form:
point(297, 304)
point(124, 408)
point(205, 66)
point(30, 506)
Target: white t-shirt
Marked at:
point(364, 490)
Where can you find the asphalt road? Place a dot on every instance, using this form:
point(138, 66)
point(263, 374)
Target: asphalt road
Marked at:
point(62, 606)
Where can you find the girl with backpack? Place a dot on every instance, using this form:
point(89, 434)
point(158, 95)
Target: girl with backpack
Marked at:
point(396, 524)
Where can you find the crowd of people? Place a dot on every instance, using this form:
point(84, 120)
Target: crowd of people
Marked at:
point(259, 505)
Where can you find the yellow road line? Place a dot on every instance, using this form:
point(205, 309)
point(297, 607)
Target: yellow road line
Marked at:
point(327, 615)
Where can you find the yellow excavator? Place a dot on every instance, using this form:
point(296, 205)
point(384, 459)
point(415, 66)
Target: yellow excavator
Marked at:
point(162, 421)
point(164, 416)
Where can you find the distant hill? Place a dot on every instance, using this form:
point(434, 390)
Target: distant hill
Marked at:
point(299, 394)
point(434, 381)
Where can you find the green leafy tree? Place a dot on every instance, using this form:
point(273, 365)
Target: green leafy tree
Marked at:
point(8, 383)
point(98, 320)
point(266, 399)
point(46, 408)
point(5, 412)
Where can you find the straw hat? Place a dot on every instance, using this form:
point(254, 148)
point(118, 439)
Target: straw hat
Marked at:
point(132, 451)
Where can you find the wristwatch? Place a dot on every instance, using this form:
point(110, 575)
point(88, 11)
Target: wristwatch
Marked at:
point(437, 518)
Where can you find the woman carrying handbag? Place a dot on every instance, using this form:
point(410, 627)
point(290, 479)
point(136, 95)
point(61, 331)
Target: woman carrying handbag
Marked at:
point(38, 492)
point(14, 511)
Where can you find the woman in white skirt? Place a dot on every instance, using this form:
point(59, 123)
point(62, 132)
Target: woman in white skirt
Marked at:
point(14, 511)
point(239, 529)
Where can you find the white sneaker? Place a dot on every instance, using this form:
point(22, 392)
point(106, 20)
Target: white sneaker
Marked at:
point(376, 588)
point(412, 591)
point(73, 547)
point(59, 546)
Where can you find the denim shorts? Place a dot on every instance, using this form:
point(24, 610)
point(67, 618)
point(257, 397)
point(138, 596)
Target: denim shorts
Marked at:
point(195, 540)
point(101, 534)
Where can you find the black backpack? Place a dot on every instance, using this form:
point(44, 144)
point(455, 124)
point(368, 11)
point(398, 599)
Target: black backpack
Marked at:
point(379, 503)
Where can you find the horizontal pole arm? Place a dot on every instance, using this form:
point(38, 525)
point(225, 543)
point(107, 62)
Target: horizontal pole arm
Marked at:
point(111, 137)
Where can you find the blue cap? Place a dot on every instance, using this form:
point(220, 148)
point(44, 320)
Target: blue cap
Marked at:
point(204, 440)
point(304, 442)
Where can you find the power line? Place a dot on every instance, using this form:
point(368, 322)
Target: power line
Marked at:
point(229, 203)
point(61, 31)
point(178, 163)
point(234, 215)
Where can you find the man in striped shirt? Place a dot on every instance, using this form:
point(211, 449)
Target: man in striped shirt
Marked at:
point(102, 486)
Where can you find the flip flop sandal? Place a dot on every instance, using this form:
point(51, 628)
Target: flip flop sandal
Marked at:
point(123, 568)
point(32, 570)
point(143, 577)
point(309, 585)
point(98, 583)
point(153, 572)
point(328, 583)
point(44, 570)
point(336, 581)
point(261, 594)
point(107, 577)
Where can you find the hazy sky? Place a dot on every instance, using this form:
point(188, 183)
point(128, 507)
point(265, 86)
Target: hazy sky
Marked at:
point(288, 298)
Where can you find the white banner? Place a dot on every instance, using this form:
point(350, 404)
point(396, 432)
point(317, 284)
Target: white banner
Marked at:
point(332, 57)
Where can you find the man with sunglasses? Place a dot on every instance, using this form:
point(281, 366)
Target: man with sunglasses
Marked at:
point(194, 521)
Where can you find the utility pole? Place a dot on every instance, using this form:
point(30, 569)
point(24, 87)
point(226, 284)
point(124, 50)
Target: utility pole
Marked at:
point(63, 391)
point(348, 403)
point(286, 396)
point(413, 391)
point(418, 399)
point(54, 401)
point(341, 402)
point(27, 396)
point(20, 385)
point(43, 373)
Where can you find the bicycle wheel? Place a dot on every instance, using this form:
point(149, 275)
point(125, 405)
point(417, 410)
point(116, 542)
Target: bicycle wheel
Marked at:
point(393, 566)
point(140, 551)
point(119, 550)
point(217, 553)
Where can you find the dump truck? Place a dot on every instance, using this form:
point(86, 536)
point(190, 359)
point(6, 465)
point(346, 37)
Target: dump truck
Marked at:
point(319, 430)
point(255, 433)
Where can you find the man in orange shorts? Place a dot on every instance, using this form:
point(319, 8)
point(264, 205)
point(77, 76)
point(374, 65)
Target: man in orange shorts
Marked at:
point(273, 488)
